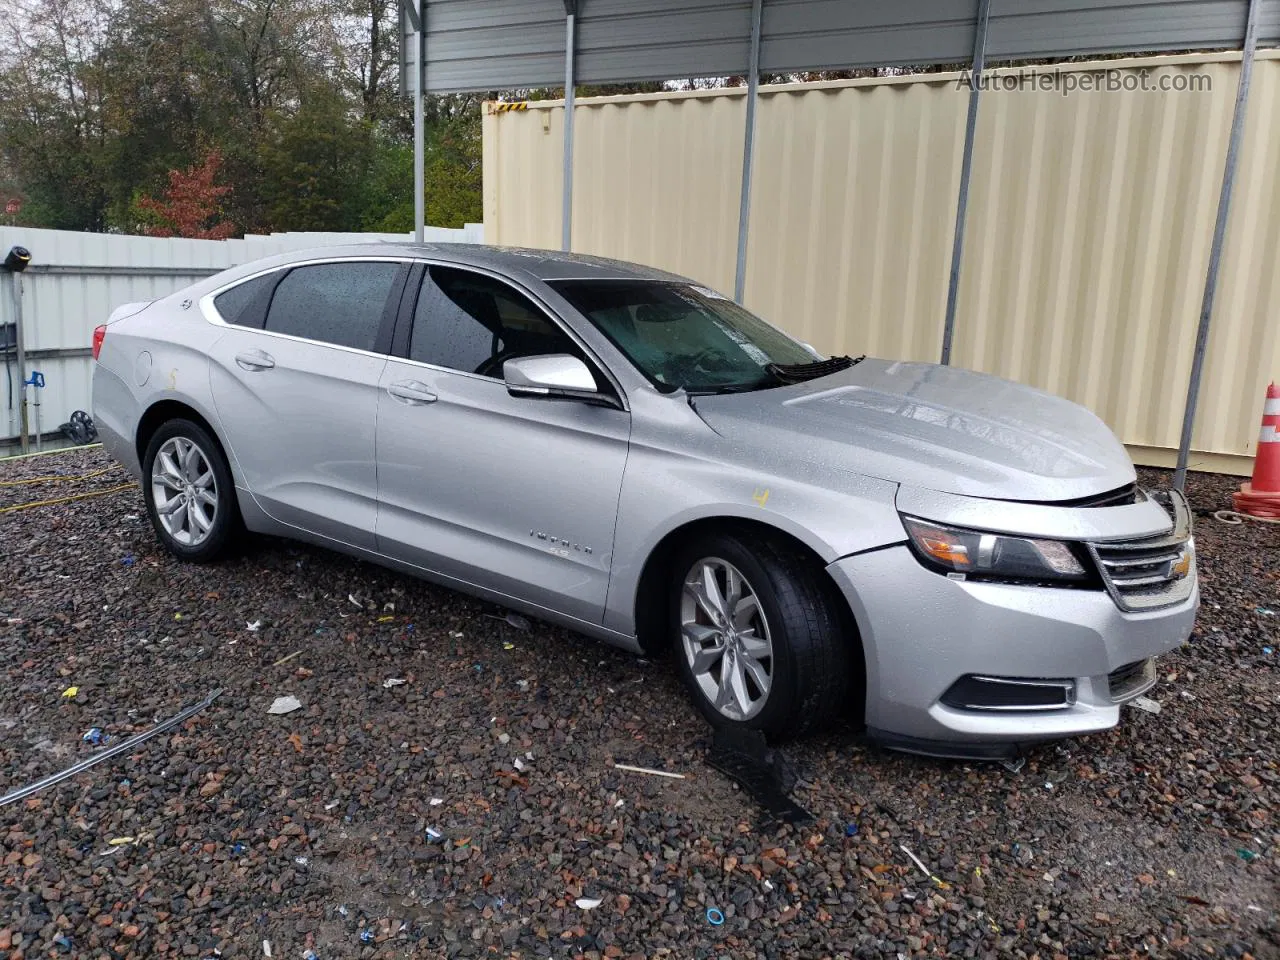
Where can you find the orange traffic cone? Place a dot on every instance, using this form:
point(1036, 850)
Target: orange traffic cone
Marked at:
point(1261, 496)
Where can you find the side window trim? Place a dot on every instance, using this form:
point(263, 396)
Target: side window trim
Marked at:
point(387, 323)
point(409, 304)
point(386, 329)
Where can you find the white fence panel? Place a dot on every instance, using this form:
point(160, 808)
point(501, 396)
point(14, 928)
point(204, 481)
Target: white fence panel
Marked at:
point(77, 279)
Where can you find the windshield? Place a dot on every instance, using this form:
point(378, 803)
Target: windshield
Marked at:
point(681, 335)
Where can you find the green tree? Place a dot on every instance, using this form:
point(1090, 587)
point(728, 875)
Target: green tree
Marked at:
point(51, 120)
point(105, 97)
point(313, 166)
point(451, 179)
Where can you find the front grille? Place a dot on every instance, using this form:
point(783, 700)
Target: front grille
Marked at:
point(1128, 681)
point(1154, 571)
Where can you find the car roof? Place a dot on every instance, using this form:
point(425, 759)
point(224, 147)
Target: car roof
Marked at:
point(536, 264)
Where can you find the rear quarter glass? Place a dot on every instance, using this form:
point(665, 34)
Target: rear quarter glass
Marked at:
point(245, 304)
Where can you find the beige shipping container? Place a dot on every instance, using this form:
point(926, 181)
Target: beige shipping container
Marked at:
point(1090, 221)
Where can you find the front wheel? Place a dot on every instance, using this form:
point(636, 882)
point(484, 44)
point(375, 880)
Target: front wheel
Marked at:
point(761, 639)
point(190, 495)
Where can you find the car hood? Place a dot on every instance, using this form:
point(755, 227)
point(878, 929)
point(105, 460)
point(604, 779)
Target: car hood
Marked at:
point(930, 426)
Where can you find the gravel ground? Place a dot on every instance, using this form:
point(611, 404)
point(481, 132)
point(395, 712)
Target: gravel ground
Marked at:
point(311, 830)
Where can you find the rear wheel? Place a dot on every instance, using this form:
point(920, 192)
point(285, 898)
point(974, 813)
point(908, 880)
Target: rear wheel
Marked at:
point(189, 492)
point(761, 640)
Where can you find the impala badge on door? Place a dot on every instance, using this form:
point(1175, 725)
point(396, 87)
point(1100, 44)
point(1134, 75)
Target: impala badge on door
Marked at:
point(559, 544)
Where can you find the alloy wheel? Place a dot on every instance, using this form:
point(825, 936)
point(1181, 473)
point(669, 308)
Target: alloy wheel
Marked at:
point(185, 491)
point(726, 639)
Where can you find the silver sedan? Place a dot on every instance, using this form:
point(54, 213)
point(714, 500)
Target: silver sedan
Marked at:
point(961, 563)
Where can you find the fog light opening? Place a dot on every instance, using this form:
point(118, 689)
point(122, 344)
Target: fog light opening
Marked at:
point(1007, 694)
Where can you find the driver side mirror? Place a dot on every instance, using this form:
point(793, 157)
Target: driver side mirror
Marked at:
point(556, 375)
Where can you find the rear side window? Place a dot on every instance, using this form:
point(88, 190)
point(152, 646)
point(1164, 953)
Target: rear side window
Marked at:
point(338, 303)
point(246, 303)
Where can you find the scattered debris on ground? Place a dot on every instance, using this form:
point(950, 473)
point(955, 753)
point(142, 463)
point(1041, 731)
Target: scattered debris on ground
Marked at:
point(650, 771)
point(108, 753)
point(467, 812)
point(745, 758)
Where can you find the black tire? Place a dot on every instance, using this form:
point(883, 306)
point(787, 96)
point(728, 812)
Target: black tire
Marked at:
point(227, 524)
point(817, 674)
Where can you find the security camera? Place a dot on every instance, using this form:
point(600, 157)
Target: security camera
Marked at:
point(17, 259)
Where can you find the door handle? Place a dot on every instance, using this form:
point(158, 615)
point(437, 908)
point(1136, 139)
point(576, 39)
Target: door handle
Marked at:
point(411, 392)
point(254, 360)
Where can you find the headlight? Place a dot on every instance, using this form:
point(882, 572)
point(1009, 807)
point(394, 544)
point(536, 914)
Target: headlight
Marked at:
point(995, 556)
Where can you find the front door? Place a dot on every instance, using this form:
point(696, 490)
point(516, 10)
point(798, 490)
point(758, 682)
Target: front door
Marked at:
point(298, 395)
point(515, 494)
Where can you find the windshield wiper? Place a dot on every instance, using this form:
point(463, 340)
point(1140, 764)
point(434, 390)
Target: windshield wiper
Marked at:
point(769, 381)
point(789, 373)
point(782, 375)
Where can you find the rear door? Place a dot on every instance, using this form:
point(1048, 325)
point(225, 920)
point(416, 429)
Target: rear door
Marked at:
point(515, 494)
point(295, 383)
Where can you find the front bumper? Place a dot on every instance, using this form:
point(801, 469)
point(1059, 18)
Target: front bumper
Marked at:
point(921, 632)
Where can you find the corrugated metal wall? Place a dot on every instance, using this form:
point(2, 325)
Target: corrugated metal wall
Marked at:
point(60, 310)
point(1089, 227)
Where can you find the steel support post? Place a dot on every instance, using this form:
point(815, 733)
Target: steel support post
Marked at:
point(20, 350)
point(748, 152)
point(966, 170)
point(1219, 238)
point(566, 207)
point(419, 133)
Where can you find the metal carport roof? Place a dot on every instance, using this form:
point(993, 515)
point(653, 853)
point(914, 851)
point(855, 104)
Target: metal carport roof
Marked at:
point(463, 45)
point(498, 44)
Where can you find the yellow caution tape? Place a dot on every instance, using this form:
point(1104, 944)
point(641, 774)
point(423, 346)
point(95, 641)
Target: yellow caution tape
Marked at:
point(49, 453)
point(68, 499)
point(54, 478)
point(508, 107)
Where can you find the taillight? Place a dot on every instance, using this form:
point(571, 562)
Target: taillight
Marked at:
point(99, 334)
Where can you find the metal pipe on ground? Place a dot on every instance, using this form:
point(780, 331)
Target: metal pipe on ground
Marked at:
point(124, 746)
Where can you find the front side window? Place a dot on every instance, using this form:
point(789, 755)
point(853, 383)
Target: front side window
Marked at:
point(470, 322)
point(684, 336)
point(338, 303)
